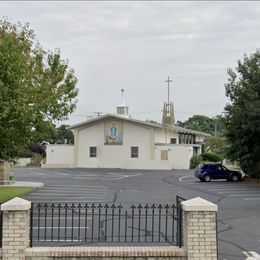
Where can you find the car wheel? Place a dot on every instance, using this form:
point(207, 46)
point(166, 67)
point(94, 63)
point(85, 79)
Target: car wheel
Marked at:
point(234, 177)
point(207, 178)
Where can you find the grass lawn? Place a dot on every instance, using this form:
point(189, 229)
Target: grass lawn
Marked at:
point(7, 193)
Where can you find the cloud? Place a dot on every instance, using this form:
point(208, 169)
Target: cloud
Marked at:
point(136, 45)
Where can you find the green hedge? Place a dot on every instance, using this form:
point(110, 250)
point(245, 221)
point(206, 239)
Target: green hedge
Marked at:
point(204, 157)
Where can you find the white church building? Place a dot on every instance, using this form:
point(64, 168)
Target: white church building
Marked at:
point(119, 141)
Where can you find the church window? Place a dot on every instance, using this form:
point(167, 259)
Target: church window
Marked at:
point(173, 140)
point(194, 139)
point(179, 137)
point(183, 138)
point(134, 152)
point(92, 151)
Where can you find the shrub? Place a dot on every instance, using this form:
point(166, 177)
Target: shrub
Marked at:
point(36, 159)
point(194, 161)
point(37, 148)
point(210, 157)
point(204, 157)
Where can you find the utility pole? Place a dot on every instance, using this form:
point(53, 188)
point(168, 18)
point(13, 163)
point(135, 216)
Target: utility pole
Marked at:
point(98, 113)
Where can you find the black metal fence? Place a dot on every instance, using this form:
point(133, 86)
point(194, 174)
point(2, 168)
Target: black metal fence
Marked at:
point(80, 224)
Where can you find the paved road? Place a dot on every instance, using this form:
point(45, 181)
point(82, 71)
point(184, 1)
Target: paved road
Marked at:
point(238, 216)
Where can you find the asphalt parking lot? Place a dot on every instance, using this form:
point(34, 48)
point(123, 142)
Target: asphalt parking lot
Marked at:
point(238, 215)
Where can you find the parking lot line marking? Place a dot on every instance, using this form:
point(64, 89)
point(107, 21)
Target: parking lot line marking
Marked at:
point(70, 192)
point(226, 192)
point(75, 189)
point(112, 178)
point(251, 199)
point(242, 195)
point(181, 179)
point(74, 186)
point(78, 198)
point(60, 173)
point(64, 192)
point(220, 189)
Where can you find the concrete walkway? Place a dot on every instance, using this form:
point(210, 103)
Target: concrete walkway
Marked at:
point(24, 184)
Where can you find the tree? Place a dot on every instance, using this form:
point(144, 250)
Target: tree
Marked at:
point(62, 135)
point(243, 114)
point(203, 124)
point(44, 132)
point(217, 144)
point(37, 88)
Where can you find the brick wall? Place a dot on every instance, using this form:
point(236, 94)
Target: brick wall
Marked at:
point(200, 229)
point(15, 229)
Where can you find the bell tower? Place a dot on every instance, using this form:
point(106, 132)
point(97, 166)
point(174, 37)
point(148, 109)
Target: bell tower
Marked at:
point(122, 110)
point(168, 117)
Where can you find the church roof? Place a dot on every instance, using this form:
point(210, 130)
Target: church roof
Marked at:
point(141, 122)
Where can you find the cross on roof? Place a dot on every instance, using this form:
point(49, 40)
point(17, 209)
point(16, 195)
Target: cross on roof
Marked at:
point(168, 81)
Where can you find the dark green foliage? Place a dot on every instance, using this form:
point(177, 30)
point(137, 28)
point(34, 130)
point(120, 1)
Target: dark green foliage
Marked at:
point(57, 135)
point(37, 88)
point(209, 157)
point(203, 157)
point(217, 144)
point(194, 161)
point(243, 114)
point(204, 124)
point(63, 134)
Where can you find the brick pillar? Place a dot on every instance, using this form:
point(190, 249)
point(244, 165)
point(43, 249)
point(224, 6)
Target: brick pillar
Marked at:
point(4, 172)
point(15, 228)
point(200, 229)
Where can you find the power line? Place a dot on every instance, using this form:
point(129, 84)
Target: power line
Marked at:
point(136, 113)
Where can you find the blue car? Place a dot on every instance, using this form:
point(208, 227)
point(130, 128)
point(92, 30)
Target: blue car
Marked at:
point(208, 171)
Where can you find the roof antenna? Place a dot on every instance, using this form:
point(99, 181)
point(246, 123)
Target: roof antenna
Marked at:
point(122, 97)
point(98, 113)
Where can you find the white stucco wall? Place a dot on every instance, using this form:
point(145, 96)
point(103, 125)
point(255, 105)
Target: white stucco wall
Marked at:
point(178, 155)
point(150, 141)
point(22, 162)
point(163, 136)
point(59, 155)
point(115, 156)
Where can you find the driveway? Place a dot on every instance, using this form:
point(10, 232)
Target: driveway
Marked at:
point(238, 215)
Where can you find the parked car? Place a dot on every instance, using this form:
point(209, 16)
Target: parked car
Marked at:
point(208, 171)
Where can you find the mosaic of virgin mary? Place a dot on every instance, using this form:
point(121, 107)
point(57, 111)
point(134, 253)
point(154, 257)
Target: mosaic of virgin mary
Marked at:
point(114, 133)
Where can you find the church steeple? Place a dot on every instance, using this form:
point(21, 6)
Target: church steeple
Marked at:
point(122, 109)
point(168, 110)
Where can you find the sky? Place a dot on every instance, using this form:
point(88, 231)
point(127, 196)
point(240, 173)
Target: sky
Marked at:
point(136, 45)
